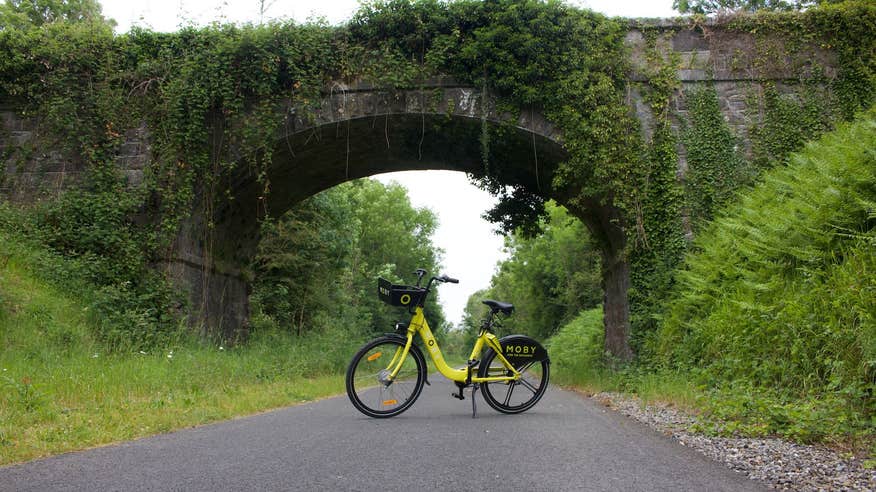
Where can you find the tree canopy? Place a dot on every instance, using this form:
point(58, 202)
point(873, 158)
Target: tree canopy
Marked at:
point(318, 264)
point(549, 277)
point(23, 13)
point(714, 6)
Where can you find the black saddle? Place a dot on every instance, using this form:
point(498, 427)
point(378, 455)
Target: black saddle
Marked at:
point(503, 307)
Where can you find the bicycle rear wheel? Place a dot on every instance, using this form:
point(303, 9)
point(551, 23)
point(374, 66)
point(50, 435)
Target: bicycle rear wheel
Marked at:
point(514, 396)
point(368, 378)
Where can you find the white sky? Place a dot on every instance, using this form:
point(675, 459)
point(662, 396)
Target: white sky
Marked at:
point(169, 15)
point(471, 250)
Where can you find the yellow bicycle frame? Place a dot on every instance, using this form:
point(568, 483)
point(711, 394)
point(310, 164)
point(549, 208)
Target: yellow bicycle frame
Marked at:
point(419, 325)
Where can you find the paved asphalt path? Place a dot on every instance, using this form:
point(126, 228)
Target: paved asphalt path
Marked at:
point(566, 442)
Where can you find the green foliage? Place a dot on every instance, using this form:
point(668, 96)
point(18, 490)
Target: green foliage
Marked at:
point(22, 393)
point(776, 299)
point(549, 278)
point(745, 409)
point(844, 28)
point(715, 6)
point(569, 62)
point(780, 293)
point(104, 226)
point(577, 348)
point(61, 391)
point(281, 356)
point(214, 98)
point(318, 265)
point(656, 240)
point(30, 13)
point(789, 122)
point(131, 318)
point(303, 263)
point(131, 306)
point(716, 167)
point(394, 240)
point(97, 226)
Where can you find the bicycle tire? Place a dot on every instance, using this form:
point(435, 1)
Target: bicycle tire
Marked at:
point(534, 377)
point(366, 382)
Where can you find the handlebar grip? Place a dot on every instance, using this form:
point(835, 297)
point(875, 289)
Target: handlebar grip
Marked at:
point(451, 280)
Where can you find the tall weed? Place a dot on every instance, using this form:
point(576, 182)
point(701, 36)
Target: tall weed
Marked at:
point(576, 350)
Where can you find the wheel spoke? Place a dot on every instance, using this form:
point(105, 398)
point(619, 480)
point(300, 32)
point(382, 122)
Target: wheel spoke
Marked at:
point(524, 368)
point(510, 390)
point(528, 385)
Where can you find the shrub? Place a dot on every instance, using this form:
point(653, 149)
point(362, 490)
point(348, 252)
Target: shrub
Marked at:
point(129, 319)
point(576, 350)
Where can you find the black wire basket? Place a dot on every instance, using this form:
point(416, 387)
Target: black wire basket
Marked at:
point(398, 295)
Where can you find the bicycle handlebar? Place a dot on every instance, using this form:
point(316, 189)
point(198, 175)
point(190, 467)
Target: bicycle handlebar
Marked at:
point(420, 273)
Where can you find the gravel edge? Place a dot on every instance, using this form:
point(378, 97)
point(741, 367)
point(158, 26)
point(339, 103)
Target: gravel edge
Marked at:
point(777, 463)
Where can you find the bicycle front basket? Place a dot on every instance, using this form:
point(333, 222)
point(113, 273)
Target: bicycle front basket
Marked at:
point(398, 295)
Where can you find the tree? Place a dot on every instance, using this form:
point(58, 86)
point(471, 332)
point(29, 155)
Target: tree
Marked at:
point(34, 13)
point(303, 261)
point(318, 264)
point(713, 6)
point(395, 239)
point(549, 277)
point(263, 7)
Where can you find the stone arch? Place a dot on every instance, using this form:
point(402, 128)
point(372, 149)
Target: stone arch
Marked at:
point(360, 131)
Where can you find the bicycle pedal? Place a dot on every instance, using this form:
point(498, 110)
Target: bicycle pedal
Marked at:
point(459, 396)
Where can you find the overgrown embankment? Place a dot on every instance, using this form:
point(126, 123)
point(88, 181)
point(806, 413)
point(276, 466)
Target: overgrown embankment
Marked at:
point(62, 388)
point(780, 292)
point(771, 329)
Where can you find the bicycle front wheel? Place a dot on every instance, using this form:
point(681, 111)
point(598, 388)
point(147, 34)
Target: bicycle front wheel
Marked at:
point(514, 396)
point(370, 386)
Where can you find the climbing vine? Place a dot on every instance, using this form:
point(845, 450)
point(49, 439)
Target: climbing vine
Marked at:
point(788, 122)
point(715, 165)
point(656, 243)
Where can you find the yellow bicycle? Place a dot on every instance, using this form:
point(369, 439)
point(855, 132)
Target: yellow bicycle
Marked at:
point(387, 374)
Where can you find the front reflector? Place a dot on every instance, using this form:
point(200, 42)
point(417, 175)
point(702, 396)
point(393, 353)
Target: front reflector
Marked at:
point(390, 402)
point(374, 357)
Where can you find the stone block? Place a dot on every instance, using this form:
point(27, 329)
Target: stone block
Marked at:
point(130, 148)
point(687, 75)
point(690, 60)
point(131, 162)
point(134, 177)
point(689, 40)
point(20, 137)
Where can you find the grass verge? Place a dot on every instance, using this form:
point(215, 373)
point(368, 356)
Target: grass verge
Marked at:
point(725, 408)
point(60, 391)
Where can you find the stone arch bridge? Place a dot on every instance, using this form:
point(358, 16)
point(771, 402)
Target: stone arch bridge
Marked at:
point(360, 131)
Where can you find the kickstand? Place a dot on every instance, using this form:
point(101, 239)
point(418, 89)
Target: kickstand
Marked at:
point(474, 406)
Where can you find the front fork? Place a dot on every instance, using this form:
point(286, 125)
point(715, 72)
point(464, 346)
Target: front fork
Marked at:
point(398, 359)
point(389, 374)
